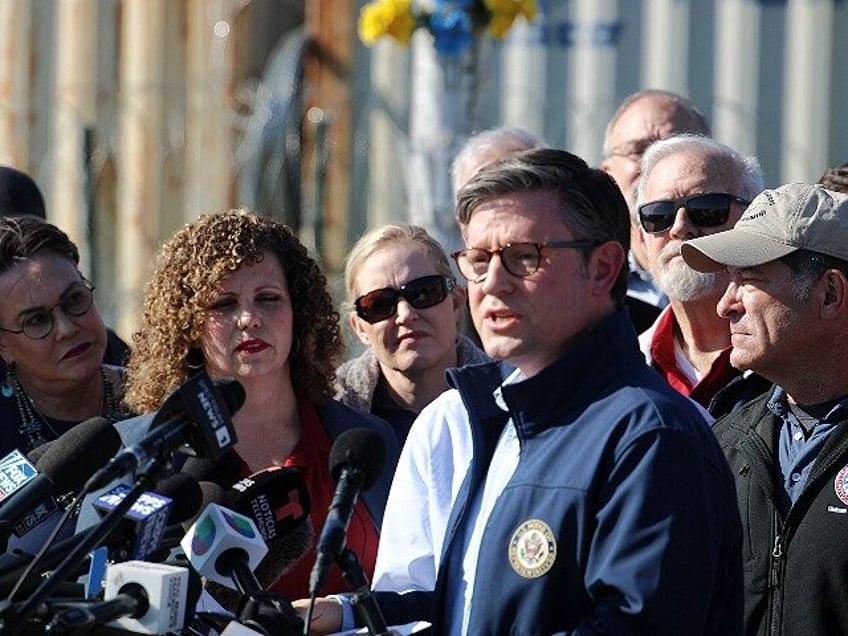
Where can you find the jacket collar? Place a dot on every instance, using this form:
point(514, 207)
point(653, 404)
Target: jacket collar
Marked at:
point(585, 371)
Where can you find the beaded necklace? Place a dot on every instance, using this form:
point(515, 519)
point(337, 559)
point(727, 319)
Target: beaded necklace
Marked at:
point(33, 423)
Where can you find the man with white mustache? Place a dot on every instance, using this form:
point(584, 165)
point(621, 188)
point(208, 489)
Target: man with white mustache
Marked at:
point(691, 186)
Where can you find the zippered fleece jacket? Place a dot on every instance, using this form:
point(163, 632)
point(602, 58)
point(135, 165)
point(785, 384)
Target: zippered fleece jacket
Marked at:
point(620, 517)
point(795, 565)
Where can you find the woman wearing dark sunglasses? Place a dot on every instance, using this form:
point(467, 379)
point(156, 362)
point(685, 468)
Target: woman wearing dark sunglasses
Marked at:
point(52, 339)
point(404, 306)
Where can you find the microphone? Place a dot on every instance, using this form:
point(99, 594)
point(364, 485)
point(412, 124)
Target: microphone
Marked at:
point(278, 502)
point(143, 524)
point(194, 419)
point(186, 495)
point(187, 499)
point(141, 533)
point(224, 470)
point(141, 597)
point(66, 464)
point(181, 489)
point(38, 452)
point(16, 469)
point(225, 547)
point(356, 460)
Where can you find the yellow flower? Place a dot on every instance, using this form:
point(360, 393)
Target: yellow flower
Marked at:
point(386, 17)
point(504, 13)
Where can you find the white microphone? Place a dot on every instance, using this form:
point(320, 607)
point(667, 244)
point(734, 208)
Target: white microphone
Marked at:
point(225, 547)
point(140, 597)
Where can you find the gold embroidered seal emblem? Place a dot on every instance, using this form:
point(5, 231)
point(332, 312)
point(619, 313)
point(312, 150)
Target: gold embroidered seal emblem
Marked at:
point(532, 549)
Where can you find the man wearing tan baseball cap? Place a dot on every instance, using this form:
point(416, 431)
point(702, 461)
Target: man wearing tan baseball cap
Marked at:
point(787, 304)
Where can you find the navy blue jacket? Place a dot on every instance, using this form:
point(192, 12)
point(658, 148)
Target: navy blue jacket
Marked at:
point(632, 485)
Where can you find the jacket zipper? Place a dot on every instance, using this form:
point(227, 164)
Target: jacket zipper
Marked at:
point(778, 554)
point(775, 583)
point(763, 467)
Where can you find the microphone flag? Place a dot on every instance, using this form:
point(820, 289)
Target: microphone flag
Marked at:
point(15, 471)
point(148, 517)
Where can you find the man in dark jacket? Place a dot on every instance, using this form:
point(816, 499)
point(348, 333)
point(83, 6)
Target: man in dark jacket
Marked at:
point(787, 303)
point(596, 499)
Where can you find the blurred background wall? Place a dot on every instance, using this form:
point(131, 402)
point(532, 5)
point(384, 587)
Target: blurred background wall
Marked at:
point(135, 116)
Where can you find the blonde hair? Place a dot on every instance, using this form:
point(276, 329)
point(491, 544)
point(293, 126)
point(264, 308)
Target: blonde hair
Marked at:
point(191, 266)
point(382, 236)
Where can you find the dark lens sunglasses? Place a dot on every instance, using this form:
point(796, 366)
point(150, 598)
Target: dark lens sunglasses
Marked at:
point(704, 210)
point(421, 293)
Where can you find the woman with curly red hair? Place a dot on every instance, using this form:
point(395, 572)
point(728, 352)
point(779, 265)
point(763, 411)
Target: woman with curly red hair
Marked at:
point(237, 295)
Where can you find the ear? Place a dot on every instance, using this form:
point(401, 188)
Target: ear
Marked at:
point(357, 326)
point(605, 265)
point(834, 303)
point(458, 297)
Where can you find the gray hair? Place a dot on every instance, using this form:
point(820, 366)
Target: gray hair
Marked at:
point(744, 169)
point(487, 146)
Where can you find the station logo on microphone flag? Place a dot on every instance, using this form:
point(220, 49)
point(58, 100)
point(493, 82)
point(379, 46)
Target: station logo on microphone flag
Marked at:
point(15, 471)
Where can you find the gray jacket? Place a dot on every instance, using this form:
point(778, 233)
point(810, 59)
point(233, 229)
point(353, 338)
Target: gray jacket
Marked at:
point(356, 379)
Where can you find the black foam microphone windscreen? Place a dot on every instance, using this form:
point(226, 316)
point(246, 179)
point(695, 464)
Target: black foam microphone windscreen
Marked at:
point(70, 460)
point(359, 449)
point(186, 494)
point(63, 469)
point(38, 452)
point(356, 461)
point(277, 500)
point(224, 470)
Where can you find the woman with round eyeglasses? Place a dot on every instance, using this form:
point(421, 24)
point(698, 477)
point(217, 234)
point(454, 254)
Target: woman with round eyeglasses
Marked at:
point(52, 339)
point(405, 307)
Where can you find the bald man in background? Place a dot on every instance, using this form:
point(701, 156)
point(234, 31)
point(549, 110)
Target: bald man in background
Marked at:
point(643, 118)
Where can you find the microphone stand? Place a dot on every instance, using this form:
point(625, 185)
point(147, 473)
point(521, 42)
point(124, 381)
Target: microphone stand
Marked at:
point(271, 613)
point(363, 601)
point(144, 480)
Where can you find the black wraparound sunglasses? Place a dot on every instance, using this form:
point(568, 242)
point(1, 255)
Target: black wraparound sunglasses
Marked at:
point(704, 210)
point(421, 293)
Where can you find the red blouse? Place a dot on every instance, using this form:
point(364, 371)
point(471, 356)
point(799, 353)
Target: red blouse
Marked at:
point(311, 455)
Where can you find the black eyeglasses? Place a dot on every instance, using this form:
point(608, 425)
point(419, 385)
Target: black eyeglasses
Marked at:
point(421, 293)
point(704, 210)
point(39, 323)
point(519, 259)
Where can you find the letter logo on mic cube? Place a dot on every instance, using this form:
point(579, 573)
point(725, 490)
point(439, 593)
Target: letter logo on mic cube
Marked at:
point(217, 531)
point(166, 590)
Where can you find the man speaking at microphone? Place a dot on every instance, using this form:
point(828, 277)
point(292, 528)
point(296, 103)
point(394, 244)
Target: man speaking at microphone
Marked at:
point(596, 499)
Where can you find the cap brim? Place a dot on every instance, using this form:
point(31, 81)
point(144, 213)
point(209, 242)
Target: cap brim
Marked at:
point(733, 248)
